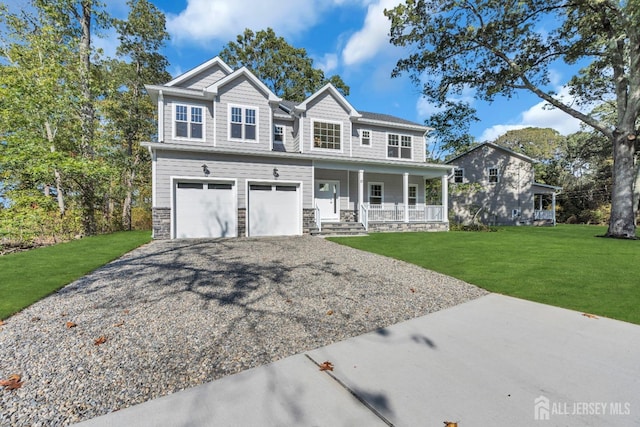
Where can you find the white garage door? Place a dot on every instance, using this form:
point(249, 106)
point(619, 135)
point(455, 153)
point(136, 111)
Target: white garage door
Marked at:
point(274, 210)
point(205, 209)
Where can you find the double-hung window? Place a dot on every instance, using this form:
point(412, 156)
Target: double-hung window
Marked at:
point(189, 122)
point(413, 195)
point(327, 135)
point(243, 122)
point(365, 137)
point(493, 175)
point(458, 176)
point(278, 134)
point(375, 194)
point(399, 146)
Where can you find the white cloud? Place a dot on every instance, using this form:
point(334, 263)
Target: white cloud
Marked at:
point(327, 63)
point(374, 35)
point(539, 115)
point(204, 20)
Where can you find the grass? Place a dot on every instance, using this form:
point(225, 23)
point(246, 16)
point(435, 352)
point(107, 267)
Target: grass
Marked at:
point(565, 266)
point(27, 277)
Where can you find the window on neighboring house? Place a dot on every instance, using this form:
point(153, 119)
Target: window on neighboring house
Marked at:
point(326, 135)
point(375, 194)
point(458, 176)
point(243, 123)
point(399, 146)
point(365, 137)
point(413, 195)
point(189, 122)
point(278, 134)
point(493, 175)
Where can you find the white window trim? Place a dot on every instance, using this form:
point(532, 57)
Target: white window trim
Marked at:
point(204, 121)
point(400, 135)
point(454, 176)
point(369, 185)
point(409, 195)
point(327, 150)
point(244, 123)
point(489, 175)
point(283, 134)
point(370, 138)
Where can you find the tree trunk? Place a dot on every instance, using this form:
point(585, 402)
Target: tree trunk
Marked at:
point(636, 189)
point(126, 205)
point(56, 173)
point(87, 115)
point(622, 223)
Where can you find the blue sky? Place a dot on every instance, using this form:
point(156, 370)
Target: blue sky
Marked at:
point(345, 37)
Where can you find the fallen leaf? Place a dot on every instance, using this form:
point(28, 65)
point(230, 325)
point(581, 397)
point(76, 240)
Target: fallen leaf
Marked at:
point(450, 424)
point(117, 325)
point(590, 316)
point(329, 313)
point(287, 300)
point(126, 311)
point(326, 366)
point(100, 340)
point(1, 323)
point(35, 319)
point(71, 325)
point(413, 291)
point(12, 383)
point(63, 314)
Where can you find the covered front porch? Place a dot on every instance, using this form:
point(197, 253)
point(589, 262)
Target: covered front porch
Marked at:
point(545, 203)
point(388, 197)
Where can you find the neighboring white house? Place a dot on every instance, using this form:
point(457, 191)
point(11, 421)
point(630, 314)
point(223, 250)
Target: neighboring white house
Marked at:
point(233, 159)
point(495, 185)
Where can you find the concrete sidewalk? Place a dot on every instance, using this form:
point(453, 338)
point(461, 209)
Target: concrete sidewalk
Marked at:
point(494, 361)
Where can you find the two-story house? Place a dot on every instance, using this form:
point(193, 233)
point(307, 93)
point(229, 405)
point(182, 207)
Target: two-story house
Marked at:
point(495, 185)
point(233, 159)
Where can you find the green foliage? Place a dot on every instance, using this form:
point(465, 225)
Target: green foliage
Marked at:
point(562, 266)
point(499, 48)
point(27, 277)
point(286, 70)
point(450, 134)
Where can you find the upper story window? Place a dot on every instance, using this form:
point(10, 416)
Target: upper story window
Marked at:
point(458, 176)
point(365, 137)
point(493, 175)
point(327, 135)
point(399, 146)
point(278, 134)
point(243, 122)
point(189, 122)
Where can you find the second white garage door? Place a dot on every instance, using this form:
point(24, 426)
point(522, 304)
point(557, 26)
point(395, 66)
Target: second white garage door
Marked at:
point(205, 209)
point(274, 210)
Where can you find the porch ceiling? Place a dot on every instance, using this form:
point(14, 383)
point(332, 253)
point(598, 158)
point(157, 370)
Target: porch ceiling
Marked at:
point(426, 170)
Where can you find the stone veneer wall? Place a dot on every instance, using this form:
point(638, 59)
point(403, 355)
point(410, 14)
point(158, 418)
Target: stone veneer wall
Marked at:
point(242, 222)
point(348, 216)
point(308, 220)
point(407, 226)
point(161, 223)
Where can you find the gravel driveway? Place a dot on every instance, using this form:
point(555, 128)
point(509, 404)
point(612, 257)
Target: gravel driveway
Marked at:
point(176, 314)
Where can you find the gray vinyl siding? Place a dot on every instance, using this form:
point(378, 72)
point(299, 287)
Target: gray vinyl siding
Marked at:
point(169, 111)
point(497, 200)
point(204, 79)
point(242, 168)
point(326, 108)
point(242, 92)
point(378, 147)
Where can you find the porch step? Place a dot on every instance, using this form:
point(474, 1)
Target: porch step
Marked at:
point(340, 229)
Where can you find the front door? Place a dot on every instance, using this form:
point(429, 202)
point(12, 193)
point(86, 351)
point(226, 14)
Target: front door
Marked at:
point(328, 199)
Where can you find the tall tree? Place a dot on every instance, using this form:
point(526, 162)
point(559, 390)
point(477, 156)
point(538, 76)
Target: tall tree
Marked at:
point(507, 46)
point(450, 134)
point(128, 108)
point(286, 70)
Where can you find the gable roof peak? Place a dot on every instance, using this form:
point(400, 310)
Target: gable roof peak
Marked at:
point(333, 91)
point(244, 71)
point(217, 61)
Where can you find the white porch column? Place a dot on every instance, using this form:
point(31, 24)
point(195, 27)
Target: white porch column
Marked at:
point(445, 198)
point(553, 207)
point(405, 195)
point(360, 191)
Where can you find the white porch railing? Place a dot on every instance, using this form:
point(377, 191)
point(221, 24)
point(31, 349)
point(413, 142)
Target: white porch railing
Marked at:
point(396, 213)
point(364, 216)
point(541, 215)
point(317, 218)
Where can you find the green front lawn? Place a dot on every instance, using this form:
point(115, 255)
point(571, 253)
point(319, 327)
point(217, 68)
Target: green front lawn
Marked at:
point(27, 277)
point(565, 266)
